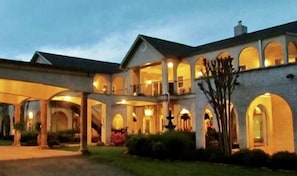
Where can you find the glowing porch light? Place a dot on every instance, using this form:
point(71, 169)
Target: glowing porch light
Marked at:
point(199, 74)
point(266, 63)
point(170, 64)
point(30, 115)
point(67, 98)
point(123, 101)
point(184, 111)
point(148, 111)
point(148, 82)
point(95, 84)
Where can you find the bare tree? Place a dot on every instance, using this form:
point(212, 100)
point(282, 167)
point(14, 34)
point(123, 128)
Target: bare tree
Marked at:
point(218, 83)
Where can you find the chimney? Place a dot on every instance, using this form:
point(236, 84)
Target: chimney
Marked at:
point(240, 29)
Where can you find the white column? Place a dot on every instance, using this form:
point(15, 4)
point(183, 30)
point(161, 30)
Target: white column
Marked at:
point(285, 50)
point(175, 77)
point(192, 66)
point(106, 121)
point(261, 54)
point(164, 77)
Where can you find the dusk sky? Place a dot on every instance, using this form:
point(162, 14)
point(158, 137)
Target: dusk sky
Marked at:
point(105, 29)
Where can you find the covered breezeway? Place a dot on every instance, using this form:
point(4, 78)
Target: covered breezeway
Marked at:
point(21, 81)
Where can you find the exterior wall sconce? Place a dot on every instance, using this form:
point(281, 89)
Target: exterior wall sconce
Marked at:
point(290, 76)
point(148, 111)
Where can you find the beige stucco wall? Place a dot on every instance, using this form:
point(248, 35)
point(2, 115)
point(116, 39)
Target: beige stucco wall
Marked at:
point(252, 84)
point(144, 54)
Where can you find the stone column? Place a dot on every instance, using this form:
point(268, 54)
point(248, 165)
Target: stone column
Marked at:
point(84, 123)
point(17, 119)
point(43, 131)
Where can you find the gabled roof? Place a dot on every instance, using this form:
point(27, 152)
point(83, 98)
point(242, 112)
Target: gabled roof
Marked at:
point(76, 63)
point(248, 37)
point(164, 47)
point(168, 48)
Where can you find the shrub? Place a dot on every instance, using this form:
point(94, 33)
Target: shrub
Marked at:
point(283, 160)
point(253, 158)
point(168, 145)
point(202, 154)
point(29, 138)
point(52, 139)
point(118, 138)
point(159, 150)
point(176, 143)
point(258, 158)
point(66, 136)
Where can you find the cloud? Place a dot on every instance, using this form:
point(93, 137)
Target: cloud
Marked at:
point(112, 47)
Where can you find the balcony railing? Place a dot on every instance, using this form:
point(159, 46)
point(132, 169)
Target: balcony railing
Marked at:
point(155, 89)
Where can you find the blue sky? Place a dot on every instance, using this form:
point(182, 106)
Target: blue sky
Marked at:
point(105, 29)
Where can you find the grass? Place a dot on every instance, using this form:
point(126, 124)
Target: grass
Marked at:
point(147, 167)
point(5, 142)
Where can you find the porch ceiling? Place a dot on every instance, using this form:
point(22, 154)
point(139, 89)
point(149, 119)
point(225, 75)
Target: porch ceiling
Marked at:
point(14, 92)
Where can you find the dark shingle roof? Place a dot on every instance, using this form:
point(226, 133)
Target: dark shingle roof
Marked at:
point(248, 37)
point(76, 63)
point(168, 48)
point(164, 47)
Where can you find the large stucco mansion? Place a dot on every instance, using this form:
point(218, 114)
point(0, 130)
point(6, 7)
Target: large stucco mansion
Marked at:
point(157, 75)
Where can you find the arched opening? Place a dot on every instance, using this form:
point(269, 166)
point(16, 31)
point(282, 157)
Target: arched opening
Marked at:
point(249, 59)
point(185, 120)
point(183, 78)
point(100, 84)
point(234, 129)
point(117, 85)
point(199, 68)
point(150, 80)
point(292, 51)
point(270, 124)
point(210, 129)
point(59, 121)
point(224, 55)
point(117, 122)
point(273, 54)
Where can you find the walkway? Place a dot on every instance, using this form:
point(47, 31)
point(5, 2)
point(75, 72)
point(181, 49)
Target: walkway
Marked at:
point(20, 152)
point(32, 161)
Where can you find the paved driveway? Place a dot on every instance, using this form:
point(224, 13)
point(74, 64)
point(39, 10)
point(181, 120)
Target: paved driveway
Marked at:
point(32, 161)
point(20, 152)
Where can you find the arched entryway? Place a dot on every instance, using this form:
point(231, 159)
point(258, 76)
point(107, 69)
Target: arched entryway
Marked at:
point(185, 120)
point(59, 121)
point(270, 124)
point(211, 129)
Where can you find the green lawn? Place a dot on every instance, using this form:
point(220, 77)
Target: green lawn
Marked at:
point(5, 142)
point(148, 167)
